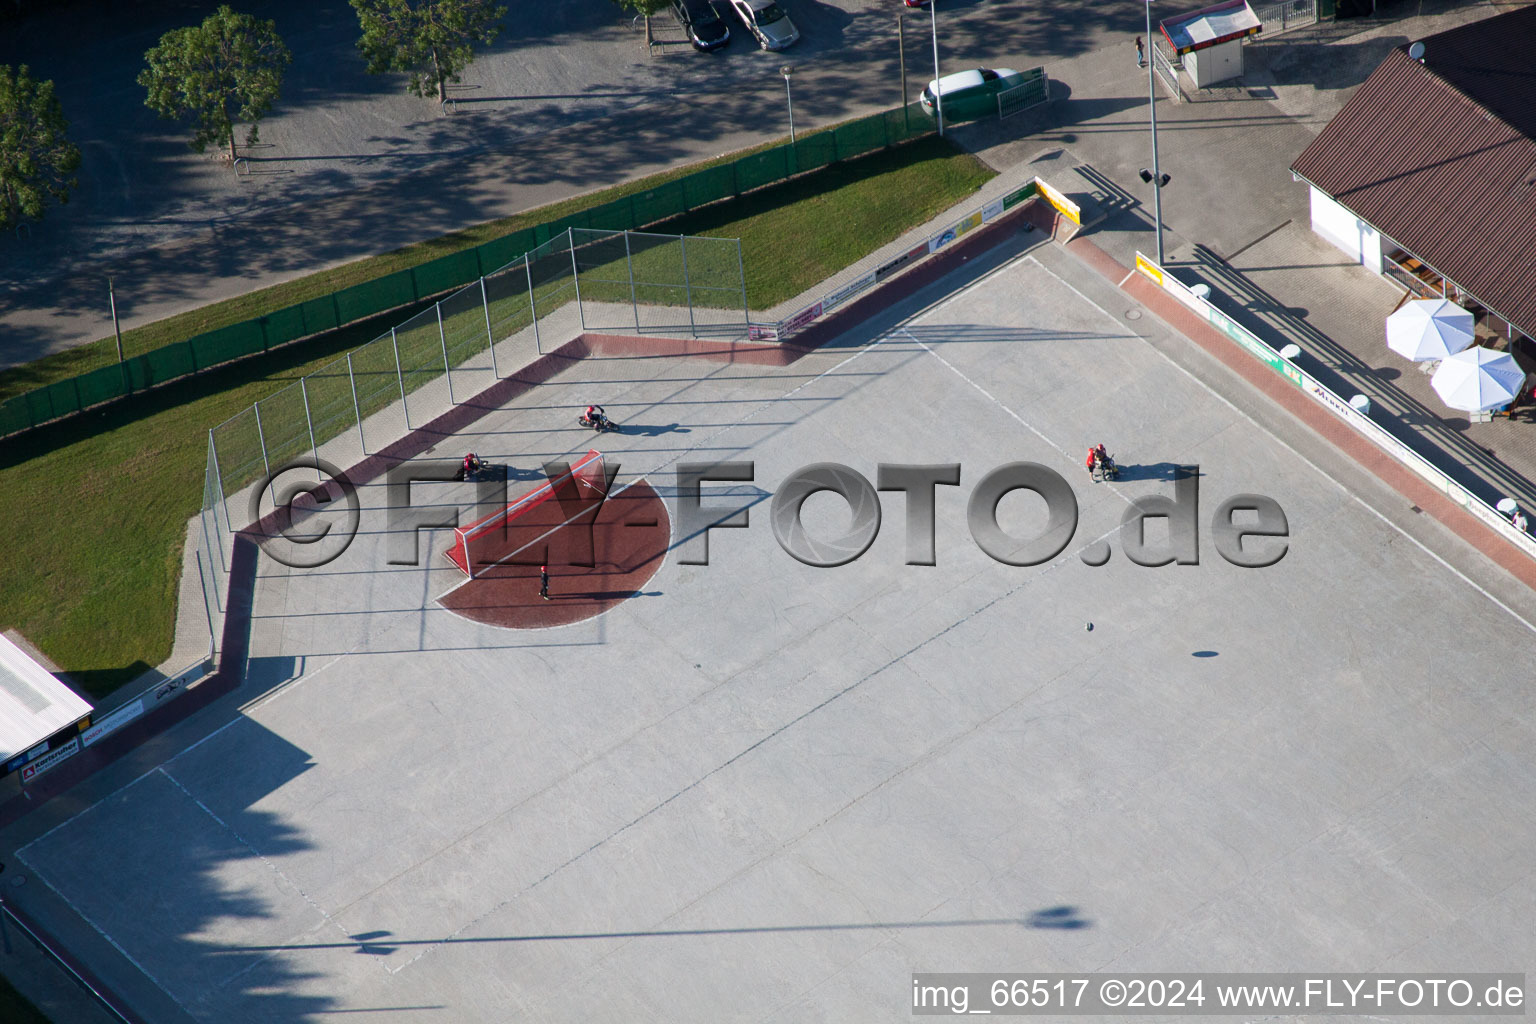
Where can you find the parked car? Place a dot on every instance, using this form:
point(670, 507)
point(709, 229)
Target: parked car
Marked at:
point(970, 94)
point(702, 23)
point(766, 20)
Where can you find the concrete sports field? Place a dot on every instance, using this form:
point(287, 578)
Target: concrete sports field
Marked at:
point(764, 791)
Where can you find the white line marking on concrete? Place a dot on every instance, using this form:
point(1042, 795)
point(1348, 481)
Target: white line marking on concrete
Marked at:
point(264, 860)
point(1021, 420)
point(862, 350)
point(1314, 466)
point(758, 406)
point(38, 874)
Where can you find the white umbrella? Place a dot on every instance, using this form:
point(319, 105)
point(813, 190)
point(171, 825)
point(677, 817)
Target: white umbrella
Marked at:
point(1478, 379)
point(1429, 329)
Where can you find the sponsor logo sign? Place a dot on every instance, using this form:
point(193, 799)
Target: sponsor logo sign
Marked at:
point(50, 760)
point(113, 722)
point(887, 269)
point(1068, 208)
point(800, 319)
point(847, 292)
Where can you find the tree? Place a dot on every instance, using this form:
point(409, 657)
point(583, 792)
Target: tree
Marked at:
point(433, 40)
point(228, 68)
point(36, 160)
point(646, 8)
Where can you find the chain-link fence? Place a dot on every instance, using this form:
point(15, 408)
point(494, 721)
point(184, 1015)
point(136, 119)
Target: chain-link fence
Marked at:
point(415, 284)
point(358, 404)
point(213, 551)
point(660, 284)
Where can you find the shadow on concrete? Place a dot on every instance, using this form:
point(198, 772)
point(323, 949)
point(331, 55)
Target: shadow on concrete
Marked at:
point(1438, 438)
point(1063, 917)
point(1152, 471)
point(118, 871)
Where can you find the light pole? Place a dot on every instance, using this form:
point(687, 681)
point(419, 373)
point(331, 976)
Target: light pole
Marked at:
point(1157, 179)
point(938, 100)
point(786, 71)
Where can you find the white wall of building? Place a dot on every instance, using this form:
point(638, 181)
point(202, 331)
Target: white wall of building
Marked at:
point(1215, 64)
point(1360, 241)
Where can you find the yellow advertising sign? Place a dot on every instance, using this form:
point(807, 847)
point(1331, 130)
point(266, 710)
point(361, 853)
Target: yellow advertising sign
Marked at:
point(1149, 268)
point(1068, 208)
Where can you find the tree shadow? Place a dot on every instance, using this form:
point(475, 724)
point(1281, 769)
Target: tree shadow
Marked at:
point(164, 895)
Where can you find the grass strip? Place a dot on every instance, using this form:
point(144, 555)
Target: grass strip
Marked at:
point(99, 503)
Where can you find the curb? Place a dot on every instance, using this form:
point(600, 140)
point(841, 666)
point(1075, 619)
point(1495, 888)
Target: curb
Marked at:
point(235, 642)
point(1364, 454)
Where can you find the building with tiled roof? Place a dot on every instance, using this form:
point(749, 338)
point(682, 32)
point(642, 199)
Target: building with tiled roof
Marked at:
point(1428, 173)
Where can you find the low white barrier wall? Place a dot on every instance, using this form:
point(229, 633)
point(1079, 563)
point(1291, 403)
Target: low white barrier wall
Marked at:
point(1339, 406)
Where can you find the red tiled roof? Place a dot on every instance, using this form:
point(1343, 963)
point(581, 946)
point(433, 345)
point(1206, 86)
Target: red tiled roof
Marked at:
point(1441, 158)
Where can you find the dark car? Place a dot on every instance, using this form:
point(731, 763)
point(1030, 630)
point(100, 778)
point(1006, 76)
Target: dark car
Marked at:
point(706, 30)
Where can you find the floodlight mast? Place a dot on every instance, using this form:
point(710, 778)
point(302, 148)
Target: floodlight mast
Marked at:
point(1157, 189)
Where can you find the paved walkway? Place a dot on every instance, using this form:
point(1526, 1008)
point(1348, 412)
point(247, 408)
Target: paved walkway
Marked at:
point(1234, 218)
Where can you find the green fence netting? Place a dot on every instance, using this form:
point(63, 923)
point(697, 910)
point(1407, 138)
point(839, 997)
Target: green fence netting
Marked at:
point(815, 151)
point(280, 327)
point(447, 272)
point(100, 385)
point(859, 137)
point(52, 401)
point(160, 365)
point(618, 215)
point(226, 343)
point(659, 203)
point(14, 415)
point(498, 252)
point(709, 185)
point(372, 297)
point(759, 169)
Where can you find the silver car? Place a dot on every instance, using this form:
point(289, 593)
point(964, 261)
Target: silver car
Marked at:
point(766, 20)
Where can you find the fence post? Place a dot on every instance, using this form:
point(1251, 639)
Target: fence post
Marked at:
point(213, 640)
point(261, 437)
point(570, 240)
point(741, 271)
point(532, 307)
point(443, 338)
point(213, 451)
point(682, 243)
point(310, 419)
point(490, 335)
point(629, 261)
point(399, 376)
point(352, 380)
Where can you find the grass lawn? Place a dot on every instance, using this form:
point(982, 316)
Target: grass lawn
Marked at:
point(16, 1009)
point(17, 379)
point(105, 497)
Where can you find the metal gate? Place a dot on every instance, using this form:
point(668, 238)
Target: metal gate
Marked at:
point(1287, 15)
point(1035, 91)
point(1167, 69)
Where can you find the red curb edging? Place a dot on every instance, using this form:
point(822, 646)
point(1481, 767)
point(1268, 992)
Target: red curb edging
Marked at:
point(242, 571)
point(1387, 469)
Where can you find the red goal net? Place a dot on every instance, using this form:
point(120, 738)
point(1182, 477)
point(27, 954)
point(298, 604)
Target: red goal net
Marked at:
point(526, 524)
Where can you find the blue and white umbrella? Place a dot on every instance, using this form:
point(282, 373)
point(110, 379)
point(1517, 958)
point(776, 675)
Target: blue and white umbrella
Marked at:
point(1427, 329)
point(1478, 379)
